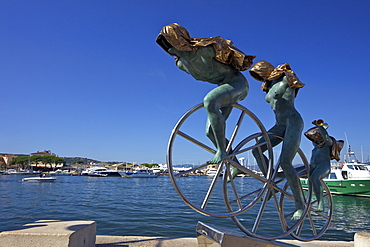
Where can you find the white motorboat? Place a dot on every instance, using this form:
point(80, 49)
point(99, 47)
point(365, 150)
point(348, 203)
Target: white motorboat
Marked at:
point(212, 172)
point(60, 173)
point(100, 171)
point(20, 172)
point(349, 178)
point(140, 173)
point(39, 179)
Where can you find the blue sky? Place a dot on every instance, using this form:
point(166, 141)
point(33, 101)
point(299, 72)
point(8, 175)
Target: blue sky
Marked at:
point(86, 78)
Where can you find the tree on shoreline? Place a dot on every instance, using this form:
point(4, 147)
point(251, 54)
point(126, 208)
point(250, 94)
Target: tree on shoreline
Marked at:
point(21, 161)
point(25, 161)
point(150, 166)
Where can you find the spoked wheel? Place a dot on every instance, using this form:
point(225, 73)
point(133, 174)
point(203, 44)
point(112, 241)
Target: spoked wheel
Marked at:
point(315, 222)
point(270, 217)
point(205, 194)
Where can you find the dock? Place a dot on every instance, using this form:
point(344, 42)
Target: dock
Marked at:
point(56, 233)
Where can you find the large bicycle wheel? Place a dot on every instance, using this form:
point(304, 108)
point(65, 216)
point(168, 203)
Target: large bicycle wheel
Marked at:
point(189, 144)
point(315, 222)
point(271, 210)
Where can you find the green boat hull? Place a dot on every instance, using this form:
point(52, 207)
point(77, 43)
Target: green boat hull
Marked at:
point(346, 187)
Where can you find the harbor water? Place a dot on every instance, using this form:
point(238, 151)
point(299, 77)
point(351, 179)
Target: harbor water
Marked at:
point(139, 206)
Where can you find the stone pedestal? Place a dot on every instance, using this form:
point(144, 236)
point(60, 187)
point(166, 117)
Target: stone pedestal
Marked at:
point(362, 239)
point(211, 236)
point(53, 233)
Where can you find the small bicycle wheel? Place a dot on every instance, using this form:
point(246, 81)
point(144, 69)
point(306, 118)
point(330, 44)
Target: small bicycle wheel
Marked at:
point(270, 210)
point(315, 222)
point(205, 194)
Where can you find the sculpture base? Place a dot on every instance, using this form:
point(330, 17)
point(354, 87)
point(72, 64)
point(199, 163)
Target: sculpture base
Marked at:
point(53, 233)
point(210, 236)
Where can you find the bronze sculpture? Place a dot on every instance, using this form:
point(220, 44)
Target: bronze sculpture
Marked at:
point(281, 86)
point(325, 149)
point(218, 61)
point(215, 60)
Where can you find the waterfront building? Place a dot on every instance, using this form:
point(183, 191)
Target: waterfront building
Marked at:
point(44, 153)
point(7, 158)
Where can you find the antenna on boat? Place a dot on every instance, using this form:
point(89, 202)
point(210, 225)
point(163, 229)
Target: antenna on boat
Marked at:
point(350, 154)
point(348, 148)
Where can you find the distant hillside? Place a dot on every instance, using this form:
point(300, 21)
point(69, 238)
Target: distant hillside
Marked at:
point(15, 154)
point(71, 160)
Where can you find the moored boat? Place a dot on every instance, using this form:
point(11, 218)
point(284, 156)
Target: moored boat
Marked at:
point(20, 172)
point(60, 173)
point(100, 171)
point(212, 169)
point(349, 178)
point(140, 173)
point(212, 172)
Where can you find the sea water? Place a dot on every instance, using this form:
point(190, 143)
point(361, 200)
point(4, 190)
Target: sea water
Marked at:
point(139, 206)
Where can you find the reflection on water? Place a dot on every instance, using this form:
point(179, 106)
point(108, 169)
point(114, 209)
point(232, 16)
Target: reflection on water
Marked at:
point(147, 207)
point(351, 215)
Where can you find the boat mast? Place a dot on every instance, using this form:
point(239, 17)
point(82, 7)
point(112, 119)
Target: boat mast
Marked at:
point(348, 149)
